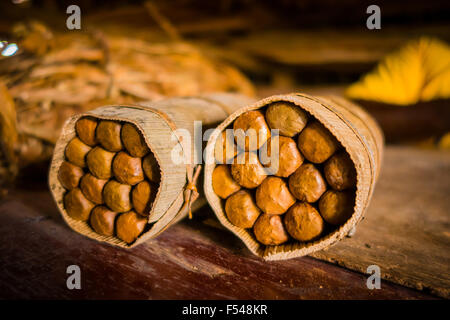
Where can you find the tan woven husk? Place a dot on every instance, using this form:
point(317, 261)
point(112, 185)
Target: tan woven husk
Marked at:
point(358, 133)
point(158, 122)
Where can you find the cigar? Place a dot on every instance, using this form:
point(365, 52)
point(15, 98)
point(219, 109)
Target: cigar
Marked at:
point(117, 196)
point(303, 222)
point(286, 117)
point(102, 220)
point(225, 149)
point(336, 207)
point(269, 230)
point(92, 188)
point(85, 129)
point(316, 143)
point(247, 171)
point(133, 141)
point(340, 171)
point(129, 226)
point(99, 162)
point(142, 197)
point(151, 168)
point(108, 134)
point(69, 175)
point(273, 196)
point(307, 183)
point(76, 152)
point(287, 156)
point(223, 183)
point(258, 133)
point(77, 206)
point(127, 169)
point(241, 209)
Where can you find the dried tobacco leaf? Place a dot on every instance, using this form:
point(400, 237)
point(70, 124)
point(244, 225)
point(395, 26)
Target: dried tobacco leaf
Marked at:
point(55, 75)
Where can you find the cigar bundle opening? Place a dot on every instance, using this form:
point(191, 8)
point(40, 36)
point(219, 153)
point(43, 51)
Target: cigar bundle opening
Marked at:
point(310, 198)
point(311, 193)
point(110, 178)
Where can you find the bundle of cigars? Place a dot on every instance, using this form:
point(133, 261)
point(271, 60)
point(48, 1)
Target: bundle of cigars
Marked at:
point(113, 174)
point(293, 174)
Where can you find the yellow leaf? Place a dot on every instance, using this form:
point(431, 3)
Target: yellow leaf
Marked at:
point(420, 71)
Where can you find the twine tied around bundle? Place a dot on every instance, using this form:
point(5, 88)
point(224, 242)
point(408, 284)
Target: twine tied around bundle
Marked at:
point(190, 191)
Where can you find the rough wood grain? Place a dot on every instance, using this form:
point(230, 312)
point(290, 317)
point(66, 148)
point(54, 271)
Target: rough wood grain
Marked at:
point(406, 231)
point(191, 260)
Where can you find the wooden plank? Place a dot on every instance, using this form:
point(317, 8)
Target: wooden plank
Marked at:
point(192, 260)
point(406, 230)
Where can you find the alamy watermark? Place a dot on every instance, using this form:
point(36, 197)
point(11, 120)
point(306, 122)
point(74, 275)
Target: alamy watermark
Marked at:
point(189, 150)
point(74, 20)
point(74, 279)
point(374, 281)
point(374, 20)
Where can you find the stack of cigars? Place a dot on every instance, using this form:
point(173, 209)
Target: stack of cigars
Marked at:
point(311, 193)
point(110, 176)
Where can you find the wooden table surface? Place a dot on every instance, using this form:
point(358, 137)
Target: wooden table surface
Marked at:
point(192, 260)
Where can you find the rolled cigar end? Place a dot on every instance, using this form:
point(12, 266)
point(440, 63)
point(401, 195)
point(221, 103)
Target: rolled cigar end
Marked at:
point(77, 206)
point(117, 196)
point(316, 143)
point(85, 128)
point(241, 210)
point(129, 226)
point(247, 170)
point(133, 141)
point(76, 152)
point(303, 222)
point(151, 168)
point(99, 162)
point(142, 197)
point(273, 196)
point(286, 117)
point(287, 154)
point(102, 220)
point(336, 207)
point(223, 183)
point(269, 230)
point(127, 169)
point(340, 171)
point(258, 134)
point(108, 134)
point(307, 183)
point(92, 188)
point(225, 149)
point(69, 175)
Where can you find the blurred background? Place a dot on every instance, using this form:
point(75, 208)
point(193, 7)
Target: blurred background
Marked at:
point(128, 51)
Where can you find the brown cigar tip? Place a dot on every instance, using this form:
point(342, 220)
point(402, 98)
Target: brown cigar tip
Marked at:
point(133, 141)
point(69, 175)
point(85, 129)
point(129, 226)
point(128, 169)
point(102, 220)
point(223, 183)
point(269, 230)
point(241, 209)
